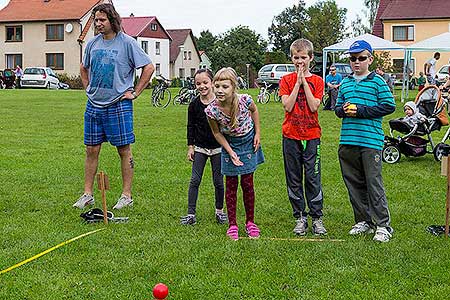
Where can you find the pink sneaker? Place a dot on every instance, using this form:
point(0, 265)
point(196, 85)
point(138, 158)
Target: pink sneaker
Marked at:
point(252, 230)
point(233, 232)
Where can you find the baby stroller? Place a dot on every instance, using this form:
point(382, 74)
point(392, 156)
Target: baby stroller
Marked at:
point(8, 79)
point(431, 105)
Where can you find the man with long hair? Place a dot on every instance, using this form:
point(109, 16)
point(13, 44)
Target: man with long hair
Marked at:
point(107, 73)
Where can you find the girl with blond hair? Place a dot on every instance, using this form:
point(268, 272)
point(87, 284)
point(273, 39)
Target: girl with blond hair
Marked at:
point(234, 121)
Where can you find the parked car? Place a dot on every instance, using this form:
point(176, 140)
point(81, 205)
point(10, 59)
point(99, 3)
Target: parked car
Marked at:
point(343, 69)
point(39, 77)
point(443, 74)
point(272, 73)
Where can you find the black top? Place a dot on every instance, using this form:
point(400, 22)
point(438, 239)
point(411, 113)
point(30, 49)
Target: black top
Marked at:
point(198, 131)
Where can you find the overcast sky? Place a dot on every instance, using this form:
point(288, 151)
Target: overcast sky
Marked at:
point(217, 16)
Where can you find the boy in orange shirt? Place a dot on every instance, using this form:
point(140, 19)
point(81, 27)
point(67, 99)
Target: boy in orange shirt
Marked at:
point(301, 93)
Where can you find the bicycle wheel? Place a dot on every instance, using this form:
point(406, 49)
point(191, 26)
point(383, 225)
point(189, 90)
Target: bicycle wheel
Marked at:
point(276, 96)
point(177, 100)
point(183, 91)
point(265, 97)
point(155, 96)
point(165, 98)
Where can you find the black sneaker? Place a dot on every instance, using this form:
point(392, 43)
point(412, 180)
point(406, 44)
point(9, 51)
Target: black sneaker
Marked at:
point(221, 218)
point(188, 220)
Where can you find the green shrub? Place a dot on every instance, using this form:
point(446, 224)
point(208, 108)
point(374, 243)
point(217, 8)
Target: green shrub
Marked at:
point(74, 81)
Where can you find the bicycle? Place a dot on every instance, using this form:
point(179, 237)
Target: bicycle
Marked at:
point(161, 95)
point(186, 94)
point(264, 94)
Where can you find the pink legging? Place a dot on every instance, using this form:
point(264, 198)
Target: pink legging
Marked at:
point(248, 194)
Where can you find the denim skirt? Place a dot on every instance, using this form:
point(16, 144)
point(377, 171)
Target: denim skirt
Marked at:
point(243, 146)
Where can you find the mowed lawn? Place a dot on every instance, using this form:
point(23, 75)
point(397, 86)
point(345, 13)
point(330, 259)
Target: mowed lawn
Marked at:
point(41, 171)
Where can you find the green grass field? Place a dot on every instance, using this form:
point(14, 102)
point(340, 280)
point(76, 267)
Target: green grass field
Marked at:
point(41, 169)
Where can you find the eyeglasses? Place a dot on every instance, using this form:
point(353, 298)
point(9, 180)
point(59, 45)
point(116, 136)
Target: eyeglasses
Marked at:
point(359, 58)
point(332, 70)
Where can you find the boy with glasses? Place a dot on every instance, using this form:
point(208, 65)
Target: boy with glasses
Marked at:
point(363, 99)
point(333, 81)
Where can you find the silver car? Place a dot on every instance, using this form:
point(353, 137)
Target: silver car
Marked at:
point(39, 77)
point(272, 73)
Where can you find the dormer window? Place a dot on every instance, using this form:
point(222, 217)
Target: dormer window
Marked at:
point(154, 27)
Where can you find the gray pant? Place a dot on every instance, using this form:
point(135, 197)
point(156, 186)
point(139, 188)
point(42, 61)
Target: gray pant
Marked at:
point(361, 171)
point(197, 173)
point(304, 156)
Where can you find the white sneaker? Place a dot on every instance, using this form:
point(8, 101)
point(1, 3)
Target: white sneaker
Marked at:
point(301, 224)
point(382, 235)
point(83, 201)
point(123, 202)
point(360, 228)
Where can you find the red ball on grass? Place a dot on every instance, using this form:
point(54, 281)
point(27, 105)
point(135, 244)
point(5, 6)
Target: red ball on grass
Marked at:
point(160, 291)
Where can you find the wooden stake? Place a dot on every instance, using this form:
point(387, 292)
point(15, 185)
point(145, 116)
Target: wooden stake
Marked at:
point(103, 185)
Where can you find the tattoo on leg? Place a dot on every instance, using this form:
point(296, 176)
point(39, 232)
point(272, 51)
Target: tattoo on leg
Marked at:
point(131, 162)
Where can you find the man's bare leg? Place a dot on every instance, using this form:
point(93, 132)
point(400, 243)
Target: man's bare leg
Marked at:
point(90, 167)
point(127, 165)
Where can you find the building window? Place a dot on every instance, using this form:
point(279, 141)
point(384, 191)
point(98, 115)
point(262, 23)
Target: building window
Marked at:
point(398, 63)
point(190, 55)
point(158, 48)
point(55, 32)
point(181, 73)
point(403, 33)
point(144, 45)
point(154, 27)
point(192, 72)
point(13, 33)
point(12, 60)
point(185, 55)
point(158, 69)
point(55, 61)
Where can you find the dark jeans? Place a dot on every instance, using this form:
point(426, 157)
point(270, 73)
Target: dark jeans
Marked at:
point(198, 167)
point(304, 157)
point(361, 171)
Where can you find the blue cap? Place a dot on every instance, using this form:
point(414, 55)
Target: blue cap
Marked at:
point(359, 46)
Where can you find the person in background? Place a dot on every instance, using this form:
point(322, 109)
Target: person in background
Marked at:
point(429, 68)
point(19, 73)
point(388, 78)
point(421, 81)
point(333, 81)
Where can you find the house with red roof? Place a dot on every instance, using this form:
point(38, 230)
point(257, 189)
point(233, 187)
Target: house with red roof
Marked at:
point(184, 54)
point(153, 38)
point(410, 21)
point(48, 33)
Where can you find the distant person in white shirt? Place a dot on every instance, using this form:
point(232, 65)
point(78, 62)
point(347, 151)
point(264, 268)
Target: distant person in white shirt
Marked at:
point(429, 68)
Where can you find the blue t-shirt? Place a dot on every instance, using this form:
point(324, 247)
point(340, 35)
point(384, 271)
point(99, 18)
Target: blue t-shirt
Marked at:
point(336, 79)
point(111, 65)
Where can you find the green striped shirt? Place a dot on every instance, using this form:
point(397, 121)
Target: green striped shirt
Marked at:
point(371, 91)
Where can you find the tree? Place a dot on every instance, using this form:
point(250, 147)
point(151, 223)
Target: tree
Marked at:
point(325, 24)
point(236, 48)
point(358, 28)
point(288, 26)
point(276, 57)
point(372, 9)
point(206, 41)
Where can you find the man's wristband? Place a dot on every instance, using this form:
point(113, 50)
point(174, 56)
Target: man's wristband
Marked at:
point(134, 94)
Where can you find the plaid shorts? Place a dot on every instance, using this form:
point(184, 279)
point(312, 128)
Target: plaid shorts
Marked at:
point(113, 123)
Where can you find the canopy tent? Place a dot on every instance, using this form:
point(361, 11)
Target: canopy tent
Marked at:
point(438, 43)
point(377, 43)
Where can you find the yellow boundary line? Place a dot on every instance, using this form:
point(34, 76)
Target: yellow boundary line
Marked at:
point(49, 250)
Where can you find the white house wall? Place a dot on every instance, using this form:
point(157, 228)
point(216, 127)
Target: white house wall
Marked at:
point(186, 64)
point(162, 59)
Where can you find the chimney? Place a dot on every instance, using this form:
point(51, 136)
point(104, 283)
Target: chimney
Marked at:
point(131, 15)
